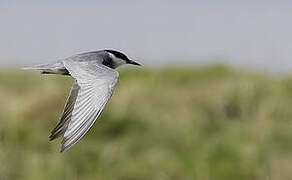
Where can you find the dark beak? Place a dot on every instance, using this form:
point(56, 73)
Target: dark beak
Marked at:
point(134, 63)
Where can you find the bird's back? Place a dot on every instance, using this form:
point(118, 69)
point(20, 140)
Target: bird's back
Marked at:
point(97, 56)
point(59, 68)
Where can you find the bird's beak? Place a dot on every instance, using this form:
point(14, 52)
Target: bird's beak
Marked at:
point(134, 63)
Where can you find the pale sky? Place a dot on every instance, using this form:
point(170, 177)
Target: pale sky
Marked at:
point(254, 33)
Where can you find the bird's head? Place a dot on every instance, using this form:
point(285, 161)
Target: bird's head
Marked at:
point(118, 59)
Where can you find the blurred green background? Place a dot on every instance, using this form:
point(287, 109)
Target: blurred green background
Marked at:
point(207, 123)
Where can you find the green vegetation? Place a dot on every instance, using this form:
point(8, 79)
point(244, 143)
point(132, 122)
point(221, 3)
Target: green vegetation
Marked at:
point(207, 123)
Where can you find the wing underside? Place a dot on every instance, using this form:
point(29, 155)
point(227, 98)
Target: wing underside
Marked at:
point(89, 94)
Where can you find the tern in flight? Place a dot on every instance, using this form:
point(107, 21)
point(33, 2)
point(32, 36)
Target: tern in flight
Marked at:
point(95, 78)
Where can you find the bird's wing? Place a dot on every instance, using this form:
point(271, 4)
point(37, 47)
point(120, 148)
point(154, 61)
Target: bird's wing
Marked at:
point(61, 127)
point(95, 84)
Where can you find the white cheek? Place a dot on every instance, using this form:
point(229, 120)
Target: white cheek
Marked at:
point(120, 61)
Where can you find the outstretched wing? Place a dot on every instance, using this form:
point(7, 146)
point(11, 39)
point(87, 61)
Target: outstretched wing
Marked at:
point(95, 84)
point(61, 127)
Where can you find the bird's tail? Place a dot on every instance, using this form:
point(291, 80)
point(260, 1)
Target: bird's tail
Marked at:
point(57, 65)
point(53, 68)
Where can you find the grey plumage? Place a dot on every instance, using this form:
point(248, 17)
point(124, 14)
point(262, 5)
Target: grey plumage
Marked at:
point(95, 79)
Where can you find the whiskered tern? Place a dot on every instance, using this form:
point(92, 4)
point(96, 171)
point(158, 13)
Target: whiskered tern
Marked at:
point(95, 78)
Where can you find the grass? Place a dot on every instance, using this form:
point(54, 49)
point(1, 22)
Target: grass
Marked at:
point(210, 123)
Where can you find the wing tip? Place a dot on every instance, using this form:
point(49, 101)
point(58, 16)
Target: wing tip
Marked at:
point(57, 132)
point(63, 149)
point(65, 145)
point(52, 137)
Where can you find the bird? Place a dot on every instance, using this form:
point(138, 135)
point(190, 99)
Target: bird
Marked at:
point(95, 78)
